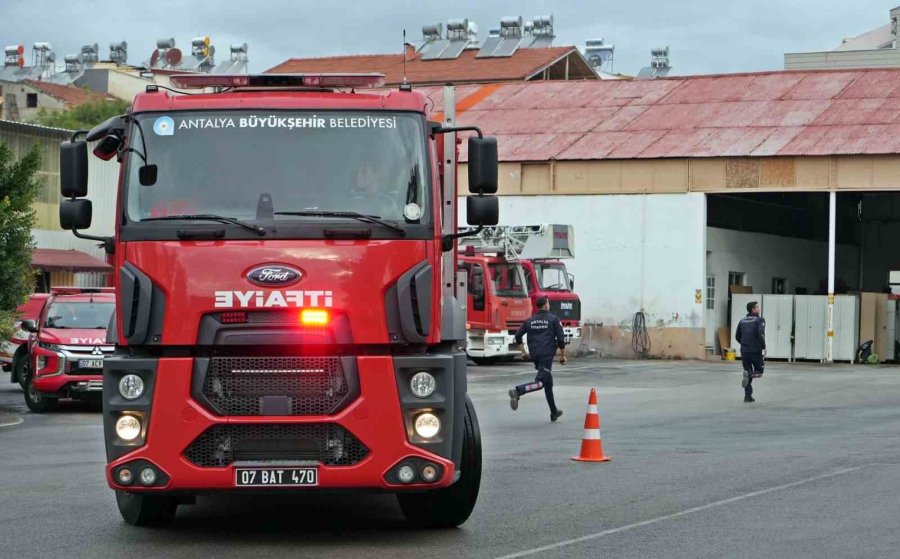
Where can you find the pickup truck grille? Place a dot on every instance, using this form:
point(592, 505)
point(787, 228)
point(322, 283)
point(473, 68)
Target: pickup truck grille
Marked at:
point(327, 443)
point(276, 386)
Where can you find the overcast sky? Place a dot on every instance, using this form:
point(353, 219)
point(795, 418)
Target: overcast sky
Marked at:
point(705, 36)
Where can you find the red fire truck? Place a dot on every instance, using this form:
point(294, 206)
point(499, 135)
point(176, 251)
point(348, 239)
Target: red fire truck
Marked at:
point(286, 311)
point(510, 268)
point(67, 348)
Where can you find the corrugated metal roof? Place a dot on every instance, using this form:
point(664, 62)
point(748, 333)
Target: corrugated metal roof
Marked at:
point(786, 113)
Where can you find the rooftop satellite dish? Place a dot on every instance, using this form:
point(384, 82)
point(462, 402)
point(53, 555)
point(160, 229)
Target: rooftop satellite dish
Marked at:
point(173, 57)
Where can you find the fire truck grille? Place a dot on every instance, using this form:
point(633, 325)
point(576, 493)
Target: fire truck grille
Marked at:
point(276, 385)
point(566, 310)
point(328, 443)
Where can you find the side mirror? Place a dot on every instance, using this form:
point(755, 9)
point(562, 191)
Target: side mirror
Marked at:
point(108, 147)
point(482, 210)
point(73, 169)
point(75, 214)
point(147, 175)
point(572, 281)
point(483, 165)
point(29, 326)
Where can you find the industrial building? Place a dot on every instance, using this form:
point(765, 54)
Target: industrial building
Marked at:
point(688, 192)
point(876, 48)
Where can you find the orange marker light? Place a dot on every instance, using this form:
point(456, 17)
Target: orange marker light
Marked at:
point(314, 317)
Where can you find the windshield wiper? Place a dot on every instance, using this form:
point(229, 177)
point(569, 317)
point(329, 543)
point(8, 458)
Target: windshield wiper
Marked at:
point(351, 215)
point(210, 217)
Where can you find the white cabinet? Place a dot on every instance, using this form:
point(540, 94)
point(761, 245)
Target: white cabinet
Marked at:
point(778, 310)
point(846, 327)
point(810, 328)
point(738, 311)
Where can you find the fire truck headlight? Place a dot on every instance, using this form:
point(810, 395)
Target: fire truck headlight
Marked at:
point(131, 387)
point(41, 362)
point(427, 425)
point(496, 341)
point(128, 428)
point(422, 384)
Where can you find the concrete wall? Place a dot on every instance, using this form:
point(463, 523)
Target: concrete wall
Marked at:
point(763, 257)
point(632, 252)
point(881, 58)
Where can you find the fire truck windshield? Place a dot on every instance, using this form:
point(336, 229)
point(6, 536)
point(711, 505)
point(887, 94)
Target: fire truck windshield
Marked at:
point(552, 277)
point(86, 316)
point(282, 167)
point(508, 280)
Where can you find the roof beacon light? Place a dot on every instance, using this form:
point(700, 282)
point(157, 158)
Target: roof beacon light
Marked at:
point(200, 81)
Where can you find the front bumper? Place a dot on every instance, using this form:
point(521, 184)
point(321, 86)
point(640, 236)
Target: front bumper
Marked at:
point(378, 418)
point(488, 344)
point(572, 334)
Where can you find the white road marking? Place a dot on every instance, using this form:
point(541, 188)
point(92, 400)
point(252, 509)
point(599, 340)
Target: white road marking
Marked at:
point(16, 421)
point(679, 514)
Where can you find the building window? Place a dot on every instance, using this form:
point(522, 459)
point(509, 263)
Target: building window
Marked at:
point(710, 293)
point(31, 100)
point(736, 278)
point(779, 286)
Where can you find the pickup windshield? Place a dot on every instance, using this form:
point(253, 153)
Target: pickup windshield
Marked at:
point(270, 167)
point(87, 316)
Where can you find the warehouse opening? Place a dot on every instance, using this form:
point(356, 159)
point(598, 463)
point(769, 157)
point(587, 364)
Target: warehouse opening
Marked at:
point(774, 248)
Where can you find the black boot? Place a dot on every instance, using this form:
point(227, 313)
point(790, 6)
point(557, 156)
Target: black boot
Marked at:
point(748, 398)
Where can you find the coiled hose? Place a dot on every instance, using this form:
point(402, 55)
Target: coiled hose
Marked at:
point(640, 339)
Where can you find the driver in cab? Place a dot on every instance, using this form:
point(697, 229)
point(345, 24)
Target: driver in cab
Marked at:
point(369, 194)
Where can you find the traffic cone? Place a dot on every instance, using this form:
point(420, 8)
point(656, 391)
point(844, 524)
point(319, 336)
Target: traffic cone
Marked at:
point(591, 444)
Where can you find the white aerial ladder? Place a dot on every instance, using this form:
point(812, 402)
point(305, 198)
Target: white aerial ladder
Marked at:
point(522, 242)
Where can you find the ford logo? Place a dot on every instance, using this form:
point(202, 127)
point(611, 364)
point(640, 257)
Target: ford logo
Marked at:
point(270, 275)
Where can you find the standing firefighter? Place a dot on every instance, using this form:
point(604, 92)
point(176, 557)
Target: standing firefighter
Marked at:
point(545, 335)
point(751, 334)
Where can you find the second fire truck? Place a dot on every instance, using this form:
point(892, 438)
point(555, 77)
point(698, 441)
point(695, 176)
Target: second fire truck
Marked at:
point(509, 268)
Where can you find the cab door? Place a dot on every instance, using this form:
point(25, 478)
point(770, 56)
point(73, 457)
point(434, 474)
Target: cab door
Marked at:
point(478, 309)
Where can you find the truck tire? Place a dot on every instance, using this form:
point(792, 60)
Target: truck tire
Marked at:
point(146, 510)
point(450, 507)
point(20, 369)
point(37, 401)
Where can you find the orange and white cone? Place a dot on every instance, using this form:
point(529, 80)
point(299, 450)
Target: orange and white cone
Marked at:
point(591, 443)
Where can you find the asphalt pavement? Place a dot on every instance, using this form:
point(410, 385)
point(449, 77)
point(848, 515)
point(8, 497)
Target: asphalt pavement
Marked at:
point(812, 469)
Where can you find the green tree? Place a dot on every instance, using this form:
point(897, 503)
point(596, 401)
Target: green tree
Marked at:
point(84, 116)
point(19, 185)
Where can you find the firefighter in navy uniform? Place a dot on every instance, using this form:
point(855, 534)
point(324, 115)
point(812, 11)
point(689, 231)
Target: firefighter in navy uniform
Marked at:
point(545, 336)
point(751, 334)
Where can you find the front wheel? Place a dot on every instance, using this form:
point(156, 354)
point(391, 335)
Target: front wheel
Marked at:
point(37, 401)
point(146, 510)
point(20, 371)
point(450, 507)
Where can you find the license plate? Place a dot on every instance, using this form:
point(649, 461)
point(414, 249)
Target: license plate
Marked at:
point(90, 363)
point(276, 477)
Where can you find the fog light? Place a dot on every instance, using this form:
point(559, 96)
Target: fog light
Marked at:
point(131, 387)
point(406, 474)
point(422, 384)
point(429, 473)
point(496, 341)
point(148, 476)
point(128, 428)
point(427, 425)
point(125, 476)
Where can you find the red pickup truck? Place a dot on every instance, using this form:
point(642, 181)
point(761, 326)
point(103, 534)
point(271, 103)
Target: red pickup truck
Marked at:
point(67, 349)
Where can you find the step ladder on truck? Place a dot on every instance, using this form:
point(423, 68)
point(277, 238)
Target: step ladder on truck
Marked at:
point(508, 268)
